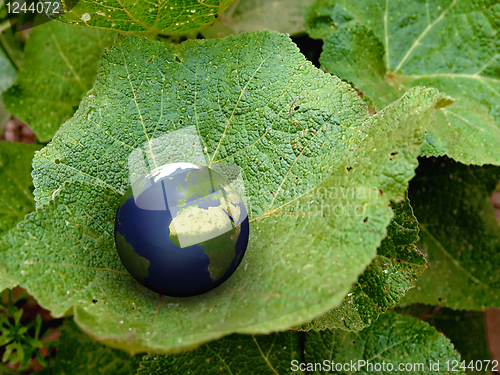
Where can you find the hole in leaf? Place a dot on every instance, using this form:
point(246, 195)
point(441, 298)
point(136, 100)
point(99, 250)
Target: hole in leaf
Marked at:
point(349, 169)
point(57, 161)
point(296, 108)
point(365, 220)
point(177, 59)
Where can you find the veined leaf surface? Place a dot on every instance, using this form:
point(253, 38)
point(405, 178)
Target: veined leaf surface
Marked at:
point(163, 17)
point(59, 68)
point(393, 340)
point(313, 161)
point(385, 281)
point(451, 45)
point(459, 233)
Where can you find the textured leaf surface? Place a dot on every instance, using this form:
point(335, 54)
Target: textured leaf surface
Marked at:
point(451, 45)
point(459, 234)
point(298, 135)
point(78, 354)
point(235, 354)
point(283, 16)
point(465, 329)
point(385, 281)
point(391, 339)
point(59, 68)
point(16, 197)
point(164, 17)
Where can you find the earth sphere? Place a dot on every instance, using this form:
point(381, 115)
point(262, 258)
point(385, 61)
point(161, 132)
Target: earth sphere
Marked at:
point(181, 230)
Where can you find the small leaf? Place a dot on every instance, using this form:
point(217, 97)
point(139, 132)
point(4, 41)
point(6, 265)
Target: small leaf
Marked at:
point(166, 17)
point(59, 68)
point(465, 329)
point(8, 75)
point(309, 152)
point(235, 354)
point(385, 281)
point(12, 45)
point(284, 16)
point(392, 341)
point(323, 17)
point(450, 45)
point(7, 72)
point(16, 198)
point(78, 354)
point(459, 233)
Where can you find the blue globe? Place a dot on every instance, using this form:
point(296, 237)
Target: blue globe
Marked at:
point(181, 230)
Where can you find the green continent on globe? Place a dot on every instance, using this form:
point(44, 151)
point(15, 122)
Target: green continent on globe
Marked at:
point(221, 252)
point(211, 228)
point(201, 185)
point(136, 264)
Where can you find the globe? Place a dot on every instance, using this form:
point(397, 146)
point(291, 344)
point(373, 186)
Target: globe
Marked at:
point(181, 230)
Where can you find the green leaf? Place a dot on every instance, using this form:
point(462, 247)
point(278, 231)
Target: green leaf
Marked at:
point(166, 17)
point(465, 329)
point(235, 354)
point(312, 160)
point(284, 16)
point(4, 370)
point(12, 45)
point(393, 339)
point(459, 233)
point(447, 44)
point(323, 17)
point(7, 77)
point(59, 68)
point(78, 354)
point(385, 281)
point(7, 72)
point(16, 198)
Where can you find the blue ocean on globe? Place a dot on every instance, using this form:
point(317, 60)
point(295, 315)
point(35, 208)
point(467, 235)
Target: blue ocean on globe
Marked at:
point(181, 230)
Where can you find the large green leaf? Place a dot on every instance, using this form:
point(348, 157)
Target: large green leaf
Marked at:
point(465, 329)
point(78, 354)
point(235, 354)
point(59, 68)
point(284, 16)
point(16, 198)
point(163, 17)
point(385, 281)
point(451, 45)
point(392, 340)
point(310, 154)
point(459, 233)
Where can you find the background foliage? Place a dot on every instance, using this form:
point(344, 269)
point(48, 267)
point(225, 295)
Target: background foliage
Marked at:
point(106, 79)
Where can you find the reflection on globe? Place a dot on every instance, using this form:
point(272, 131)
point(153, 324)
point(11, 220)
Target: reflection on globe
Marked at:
point(181, 230)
